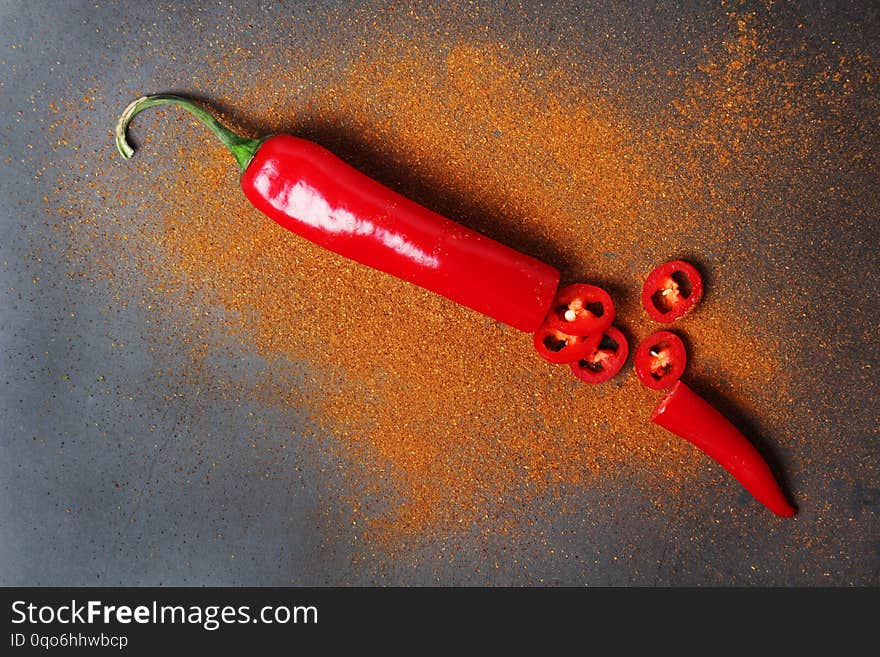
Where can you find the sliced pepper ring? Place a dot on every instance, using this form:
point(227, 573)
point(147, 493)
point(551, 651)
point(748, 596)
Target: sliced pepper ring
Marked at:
point(671, 290)
point(581, 309)
point(660, 360)
point(605, 360)
point(558, 347)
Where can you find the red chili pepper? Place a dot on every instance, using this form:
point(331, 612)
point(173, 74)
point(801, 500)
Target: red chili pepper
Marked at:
point(313, 193)
point(557, 347)
point(581, 309)
point(671, 290)
point(605, 360)
point(686, 414)
point(660, 360)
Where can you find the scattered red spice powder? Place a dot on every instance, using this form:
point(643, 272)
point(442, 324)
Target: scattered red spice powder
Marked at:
point(448, 422)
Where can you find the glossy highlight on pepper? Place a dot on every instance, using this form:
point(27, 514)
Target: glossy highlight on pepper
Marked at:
point(303, 200)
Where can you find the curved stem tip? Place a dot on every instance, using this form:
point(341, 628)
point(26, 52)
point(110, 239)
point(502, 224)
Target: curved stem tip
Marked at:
point(242, 149)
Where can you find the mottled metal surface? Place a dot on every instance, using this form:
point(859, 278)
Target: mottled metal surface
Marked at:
point(97, 484)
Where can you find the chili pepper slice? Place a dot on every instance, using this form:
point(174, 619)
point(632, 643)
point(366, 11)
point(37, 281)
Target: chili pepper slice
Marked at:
point(557, 347)
point(313, 193)
point(605, 360)
point(660, 360)
point(686, 414)
point(581, 309)
point(671, 290)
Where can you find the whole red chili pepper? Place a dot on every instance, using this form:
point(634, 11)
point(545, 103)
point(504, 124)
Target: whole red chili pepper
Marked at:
point(685, 413)
point(313, 193)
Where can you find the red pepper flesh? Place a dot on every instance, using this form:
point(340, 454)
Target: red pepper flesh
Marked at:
point(313, 193)
point(672, 290)
point(557, 347)
point(660, 360)
point(605, 360)
point(686, 414)
point(581, 309)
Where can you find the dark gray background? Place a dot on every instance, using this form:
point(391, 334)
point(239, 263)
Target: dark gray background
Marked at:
point(97, 483)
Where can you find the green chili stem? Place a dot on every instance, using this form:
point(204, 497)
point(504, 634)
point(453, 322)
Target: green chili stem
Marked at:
point(242, 149)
